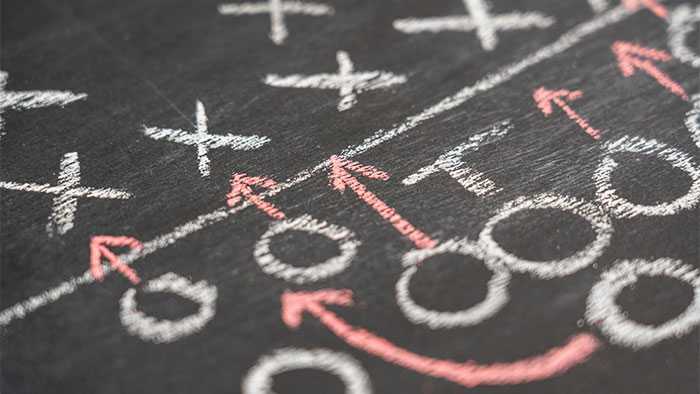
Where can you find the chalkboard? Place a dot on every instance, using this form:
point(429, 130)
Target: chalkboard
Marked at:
point(326, 196)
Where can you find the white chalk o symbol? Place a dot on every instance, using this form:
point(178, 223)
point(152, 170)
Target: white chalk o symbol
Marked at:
point(599, 222)
point(680, 30)
point(163, 331)
point(603, 311)
point(259, 378)
point(496, 297)
point(272, 265)
point(621, 207)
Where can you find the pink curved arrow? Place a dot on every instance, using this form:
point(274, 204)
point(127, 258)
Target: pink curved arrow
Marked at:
point(469, 373)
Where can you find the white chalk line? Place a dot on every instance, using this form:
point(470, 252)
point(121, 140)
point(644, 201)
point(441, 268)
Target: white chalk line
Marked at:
point(563, 43)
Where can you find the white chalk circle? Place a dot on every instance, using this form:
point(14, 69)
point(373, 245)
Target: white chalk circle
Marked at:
point(496, 297)
point(680, 28)
point(271, 265)
point(163, 331)
point(598, 220)
point(259, 379)
point(621, 207)
point(603, 311)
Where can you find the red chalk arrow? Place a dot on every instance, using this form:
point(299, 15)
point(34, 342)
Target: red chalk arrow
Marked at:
point(631, 56)
point(544, 99)
point(340, 178)
point(241, 188)
point(653, 6)
point(99, 248)
point(469, 373)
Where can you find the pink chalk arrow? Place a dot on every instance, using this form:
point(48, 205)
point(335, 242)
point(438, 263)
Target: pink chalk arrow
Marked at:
point(545, 97)
point(653, 6)
point(340, 177)
point(99, 248)
point(632, 56)
point(241, 188)
point(470, 374)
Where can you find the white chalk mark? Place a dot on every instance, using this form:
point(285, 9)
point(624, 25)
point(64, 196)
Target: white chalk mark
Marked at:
point(621, 207)
point(603, 311)
point(453, 164)
point(204, 141)
point(30, 99)
point(479, 19)
point(346, 81)
point(67, 192)
point(259, 379)
point(599, 221)
point(598, 6)
point(496, 296)
point(684, 21)
point(272, 265)
point(502, 75)
point(692, 119)
point(164, 331)
point(277, 10)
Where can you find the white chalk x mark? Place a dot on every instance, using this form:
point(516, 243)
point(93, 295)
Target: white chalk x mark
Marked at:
point(479, 19)
point(348, 82)
point(277, 9)
point(67, 192)
point(204, 141)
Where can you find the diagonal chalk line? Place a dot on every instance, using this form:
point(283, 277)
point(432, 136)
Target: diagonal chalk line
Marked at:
point(504, 74)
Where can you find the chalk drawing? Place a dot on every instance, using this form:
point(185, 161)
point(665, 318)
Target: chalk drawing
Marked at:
point(469, 374)
point(259, 379)
point(30, 99)
point(496, 296)
point(653, 6)
point(203, 141)
point(155, 330)
point(684, 21)
point(67, 192)
point(621, 207)
point(603, 311)
point(347, 82)
point(479, 19)
point(598, 5)
point(270, 264)
point(598, 220)
point(277, 9)
point(99, 248)
point(241, 188)
point(632, 56)
point(453, 164)
point(692, 119)
point(340, 177)
point(545, 97)
point(502, 75)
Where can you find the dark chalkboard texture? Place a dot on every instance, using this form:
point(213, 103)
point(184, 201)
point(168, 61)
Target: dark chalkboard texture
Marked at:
point(350, 196)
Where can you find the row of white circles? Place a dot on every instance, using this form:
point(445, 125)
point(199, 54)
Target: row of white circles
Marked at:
point(602, 310)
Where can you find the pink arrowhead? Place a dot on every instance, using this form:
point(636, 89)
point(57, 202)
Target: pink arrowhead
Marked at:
point(653, 6)
point(294, 304)
point(544, 98)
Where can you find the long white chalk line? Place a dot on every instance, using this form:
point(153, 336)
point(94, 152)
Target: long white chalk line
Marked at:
point(504, 74)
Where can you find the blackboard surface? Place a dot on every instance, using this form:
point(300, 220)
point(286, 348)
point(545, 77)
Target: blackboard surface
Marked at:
point(532, 227)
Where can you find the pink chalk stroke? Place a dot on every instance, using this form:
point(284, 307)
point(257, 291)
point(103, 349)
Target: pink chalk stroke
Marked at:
point(99, 249)
point(340, 177)
point(469, 373)
point(545, 97)
point(241, 188)
point(632, 56)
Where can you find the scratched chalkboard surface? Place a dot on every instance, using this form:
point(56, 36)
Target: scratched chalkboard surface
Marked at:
point(350, 196)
